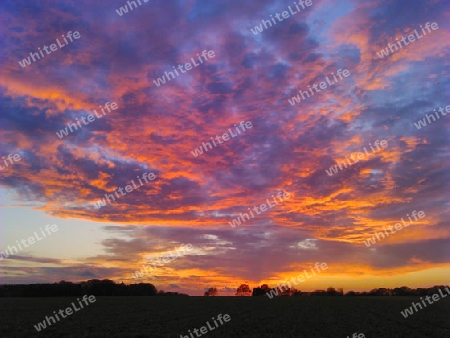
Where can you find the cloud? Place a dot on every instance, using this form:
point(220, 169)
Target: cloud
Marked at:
point(251, 78)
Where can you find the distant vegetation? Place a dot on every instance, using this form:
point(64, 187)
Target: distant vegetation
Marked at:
point(244, 290)
point(94, 287)
point(107, 287)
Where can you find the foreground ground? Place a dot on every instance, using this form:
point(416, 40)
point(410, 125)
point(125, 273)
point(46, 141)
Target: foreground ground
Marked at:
point(250, 317)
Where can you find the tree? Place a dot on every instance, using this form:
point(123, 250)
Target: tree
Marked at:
point(380, 292)
point(243, 290)
point(332, 291)
point(402, 291)
point(96, 287)
point(265, 287)
point(261, 291)
point(211, 292)
point(296, 292)
point(286, 292)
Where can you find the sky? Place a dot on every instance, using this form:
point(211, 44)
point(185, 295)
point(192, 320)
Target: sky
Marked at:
point(157, 125)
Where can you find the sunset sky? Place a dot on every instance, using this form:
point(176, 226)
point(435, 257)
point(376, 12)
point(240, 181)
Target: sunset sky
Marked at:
point(155, 129)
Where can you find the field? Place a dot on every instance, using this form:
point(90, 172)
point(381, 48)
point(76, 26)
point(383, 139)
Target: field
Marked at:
point(250, 317)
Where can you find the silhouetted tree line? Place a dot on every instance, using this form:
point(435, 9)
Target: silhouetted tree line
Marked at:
point(106, 287)
point(244, 290)
point(401, 291)
point(94, 287)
